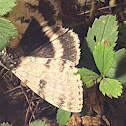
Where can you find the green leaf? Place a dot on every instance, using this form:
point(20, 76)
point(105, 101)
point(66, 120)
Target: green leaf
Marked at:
point(38, 123)
point(5, 124)
point(103, 56)
point(7, 30)
point(122, 33)
point(88, 77)
point(110, 87)
point(6, 6)
point(104, 28)
point(62, 116)
point(118, 68)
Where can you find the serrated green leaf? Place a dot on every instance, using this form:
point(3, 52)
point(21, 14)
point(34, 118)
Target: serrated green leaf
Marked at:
point(122, 33)
point(5, 124)
point(6, 6)
point(104, 28)
point(38, 123)
point(110, 87)
point(7, 30)
point(118, 68)
point(103, 56)
point(88, 77)
point(62, 116)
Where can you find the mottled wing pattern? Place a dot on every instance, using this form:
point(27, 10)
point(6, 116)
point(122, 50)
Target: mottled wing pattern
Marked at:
point(53, 80)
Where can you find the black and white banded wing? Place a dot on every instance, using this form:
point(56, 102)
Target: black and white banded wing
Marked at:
point(44, 12)
point(50, 71)
point(63, 43)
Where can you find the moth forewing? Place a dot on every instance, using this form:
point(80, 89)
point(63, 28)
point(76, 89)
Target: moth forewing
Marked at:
point(54, 81)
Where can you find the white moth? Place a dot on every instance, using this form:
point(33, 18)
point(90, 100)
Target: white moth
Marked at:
point(54, 79)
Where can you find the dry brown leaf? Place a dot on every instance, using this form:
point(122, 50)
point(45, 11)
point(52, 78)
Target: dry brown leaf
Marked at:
point(74, 120)
point(90, 121)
